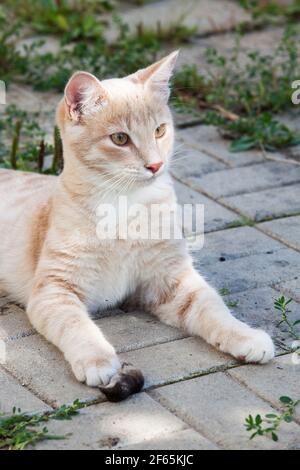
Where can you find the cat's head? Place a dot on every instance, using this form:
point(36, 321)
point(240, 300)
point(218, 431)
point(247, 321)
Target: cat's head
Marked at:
point(120, 128)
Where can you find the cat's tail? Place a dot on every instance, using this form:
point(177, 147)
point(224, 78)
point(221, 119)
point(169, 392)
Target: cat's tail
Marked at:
point(126, 382)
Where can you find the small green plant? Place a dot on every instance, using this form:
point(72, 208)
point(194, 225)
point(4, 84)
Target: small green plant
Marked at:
point(243, 101)
point(281, 304)
point(269, 425)
point(22, 141)
point(224, 292)
point(12, 63)
point(79, 19)
point(18, 430)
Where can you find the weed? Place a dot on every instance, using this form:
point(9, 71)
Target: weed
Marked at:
point(17, 431)
point(243, 100)
point(281, 304)
point(268, 426)
point(224, 292)
point(71, 20)
point(23, 146)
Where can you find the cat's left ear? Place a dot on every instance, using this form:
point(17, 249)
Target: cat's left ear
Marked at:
point(157, 76)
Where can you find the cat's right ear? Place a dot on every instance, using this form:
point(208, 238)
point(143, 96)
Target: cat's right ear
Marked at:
point(82, 93)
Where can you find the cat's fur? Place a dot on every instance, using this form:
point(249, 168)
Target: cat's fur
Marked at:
point(51, 259)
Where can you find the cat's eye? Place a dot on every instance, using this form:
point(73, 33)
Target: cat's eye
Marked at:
point(120, 138)
point(160, 131)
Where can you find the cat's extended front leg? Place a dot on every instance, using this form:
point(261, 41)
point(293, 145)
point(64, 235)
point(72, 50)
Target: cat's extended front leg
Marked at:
point(187, 301)
point(56, 311)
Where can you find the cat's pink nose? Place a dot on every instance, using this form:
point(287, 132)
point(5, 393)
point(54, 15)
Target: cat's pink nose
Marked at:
point(154, 167)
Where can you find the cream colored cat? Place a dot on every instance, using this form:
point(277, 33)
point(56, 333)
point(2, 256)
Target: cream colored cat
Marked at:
point(117, 139)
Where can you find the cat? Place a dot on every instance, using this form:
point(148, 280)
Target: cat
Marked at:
point(118, 136)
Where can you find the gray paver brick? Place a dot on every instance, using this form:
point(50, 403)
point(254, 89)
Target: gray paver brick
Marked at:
point(13, 394)
point(112, 425)
point(249, 179)
point(208, 17)
point(216, 217)
point(287, 230)
point(217, 406)
point(15, 324)
point(208, 140)
point(279, 378)
point(266, 204)
point(192, 163)
point(128, 331)
point(179, 440)
point(235, 243)
point(42, 368)
point(251, 271)
point(176, 360)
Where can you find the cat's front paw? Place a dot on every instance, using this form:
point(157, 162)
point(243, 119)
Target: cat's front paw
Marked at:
point(96, 371)
point(253, 346)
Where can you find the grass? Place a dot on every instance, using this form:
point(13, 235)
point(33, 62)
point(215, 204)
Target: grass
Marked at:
point(243, 94)
point(270, 424)
point(272, 11)
point(19, 430)
point(22, 142)
point(80, 19)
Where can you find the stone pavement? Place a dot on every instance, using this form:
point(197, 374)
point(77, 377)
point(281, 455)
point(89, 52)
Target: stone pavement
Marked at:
point(194, 397)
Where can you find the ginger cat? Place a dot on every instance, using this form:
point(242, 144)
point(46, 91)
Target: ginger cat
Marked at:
point(117, 138)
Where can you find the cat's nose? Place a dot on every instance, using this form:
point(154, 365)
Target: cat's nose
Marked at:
point(154, 167)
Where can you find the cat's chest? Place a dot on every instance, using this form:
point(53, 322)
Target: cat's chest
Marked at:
point(110, 274)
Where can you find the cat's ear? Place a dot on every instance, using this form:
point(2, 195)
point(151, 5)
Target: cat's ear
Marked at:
point(157, 76)
point(82, 93)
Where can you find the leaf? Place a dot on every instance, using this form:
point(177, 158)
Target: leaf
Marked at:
point(242, 144)
point(288, 419)
point(274, 437)
point(286, 400)
point(271, 416)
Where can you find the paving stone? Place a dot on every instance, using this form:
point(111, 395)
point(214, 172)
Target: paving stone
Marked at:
point(180, 440)
point(256, 308)
point(249, 179)
point(41, 368)
point(290, 288)
point(217, 406)
point(251, 271)
point(279, 378)
point(286, 230)
point(191, 163)
point(13, 394)
point(226, 245)
point(264, 41)
point(262, 205)
point(135, 330)
point(15, 324)
point(208, 140)
point(112, 425)
point(176, 360)
point(216, 217)
point(208, 17)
